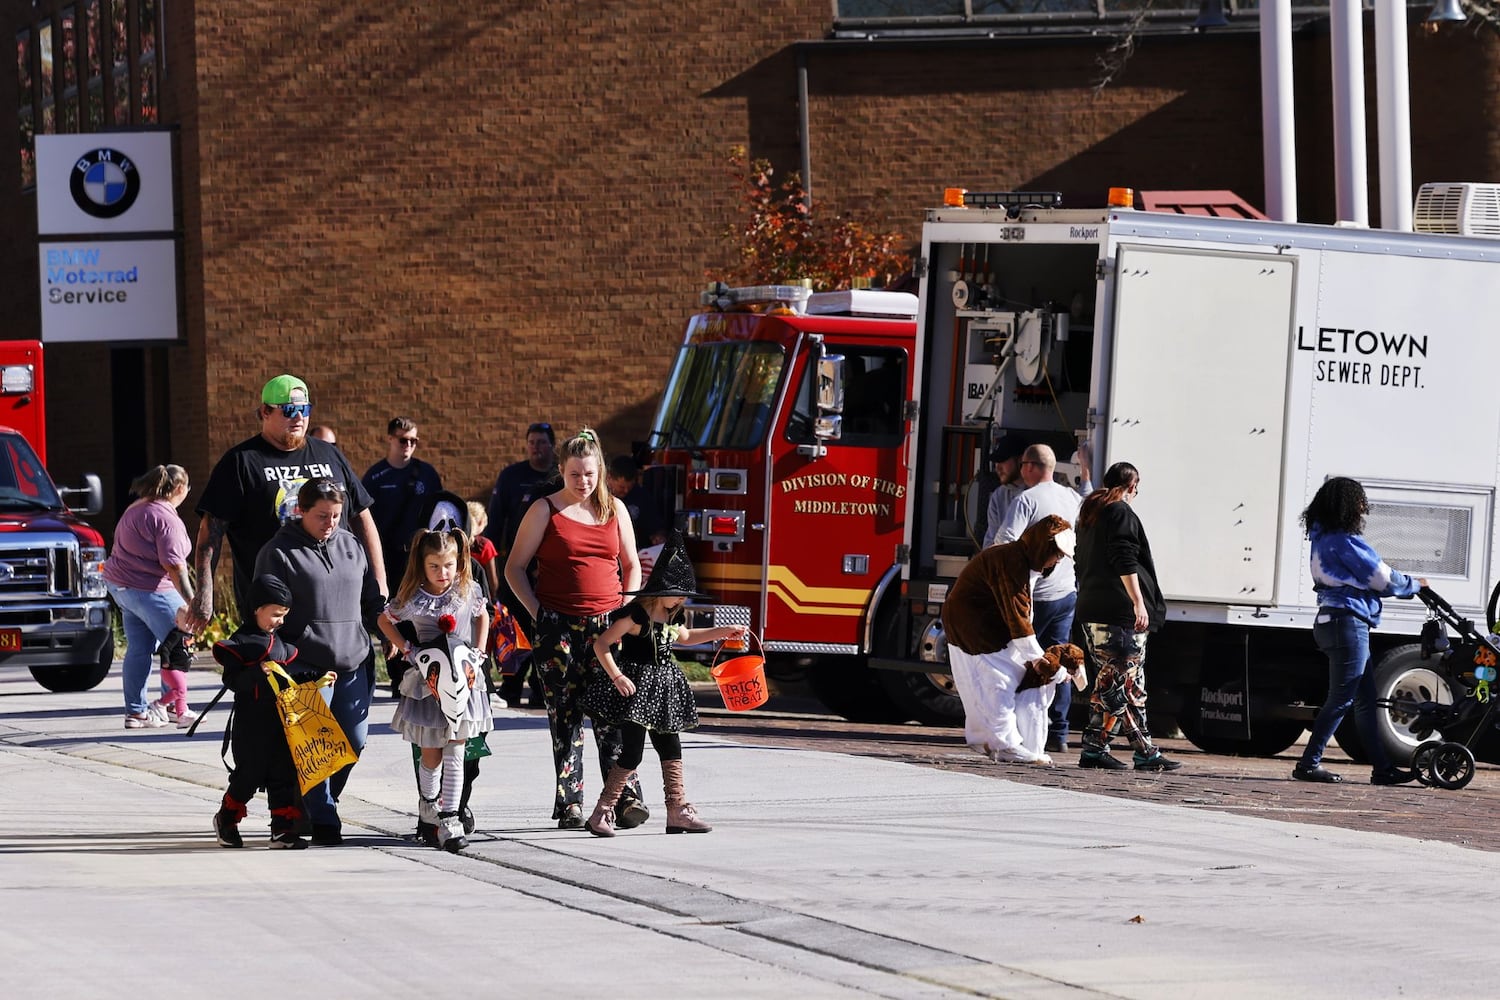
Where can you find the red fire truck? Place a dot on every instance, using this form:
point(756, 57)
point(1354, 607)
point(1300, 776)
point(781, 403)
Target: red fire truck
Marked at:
point(784, 425)
point(54, 610)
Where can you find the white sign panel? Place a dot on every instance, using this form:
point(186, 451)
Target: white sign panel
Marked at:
point(109, 291)
point(104, 182)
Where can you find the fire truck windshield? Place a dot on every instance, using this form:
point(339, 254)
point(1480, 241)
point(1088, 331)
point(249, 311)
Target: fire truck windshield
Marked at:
point(719, 395)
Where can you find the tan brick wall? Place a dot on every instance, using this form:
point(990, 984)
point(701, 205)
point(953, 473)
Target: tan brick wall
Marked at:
point(483, 215)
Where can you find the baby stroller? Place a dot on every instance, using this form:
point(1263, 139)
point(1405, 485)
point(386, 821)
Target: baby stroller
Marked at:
point(1449, 733)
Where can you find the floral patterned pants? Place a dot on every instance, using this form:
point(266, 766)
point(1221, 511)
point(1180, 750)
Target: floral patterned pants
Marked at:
point(564, 654)
point(1119, 698)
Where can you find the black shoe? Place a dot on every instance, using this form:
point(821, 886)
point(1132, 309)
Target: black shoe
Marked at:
point(427, 834)
point(1056, 744)
point(1318, 773)
point(467, 818)
point(1156, 762)
point(630, 812)
point(287, 841)
point(1101, 760)
point(226, 830)
point(1392, 776)
point(455, 844)
point(327, 834)
point(572, 817)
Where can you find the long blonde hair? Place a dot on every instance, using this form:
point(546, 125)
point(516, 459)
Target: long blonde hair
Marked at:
point(435, 543)
point(585, 445)
point(159, 482)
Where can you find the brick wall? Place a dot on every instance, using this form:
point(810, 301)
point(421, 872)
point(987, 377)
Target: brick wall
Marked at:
point(480, 222)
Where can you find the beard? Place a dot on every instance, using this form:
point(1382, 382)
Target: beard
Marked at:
point(286, 440)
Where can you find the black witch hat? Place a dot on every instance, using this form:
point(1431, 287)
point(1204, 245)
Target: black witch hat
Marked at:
point(672, 574)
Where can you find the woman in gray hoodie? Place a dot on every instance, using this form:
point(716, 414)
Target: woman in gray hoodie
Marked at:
point(335, 601)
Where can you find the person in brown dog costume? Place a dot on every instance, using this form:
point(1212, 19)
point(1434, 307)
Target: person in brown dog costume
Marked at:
point(1004, 677)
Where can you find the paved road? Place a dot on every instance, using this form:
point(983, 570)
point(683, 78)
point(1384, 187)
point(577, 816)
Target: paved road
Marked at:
point(830, 874)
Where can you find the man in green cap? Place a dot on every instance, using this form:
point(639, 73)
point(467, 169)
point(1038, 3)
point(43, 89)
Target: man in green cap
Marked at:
point(252, 492)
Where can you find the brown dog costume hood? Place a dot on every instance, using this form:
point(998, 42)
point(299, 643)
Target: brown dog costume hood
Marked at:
point(989, 604)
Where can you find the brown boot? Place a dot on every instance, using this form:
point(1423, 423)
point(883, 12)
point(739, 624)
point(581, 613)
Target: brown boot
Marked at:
point(602, 822)
point(681, 816)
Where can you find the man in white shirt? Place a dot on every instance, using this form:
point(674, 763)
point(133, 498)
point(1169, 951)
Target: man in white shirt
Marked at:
point(1055, 595)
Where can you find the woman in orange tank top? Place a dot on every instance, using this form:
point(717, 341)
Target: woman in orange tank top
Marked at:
point(584, 546)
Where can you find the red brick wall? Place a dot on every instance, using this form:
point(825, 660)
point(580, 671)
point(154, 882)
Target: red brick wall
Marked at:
point(484, 215)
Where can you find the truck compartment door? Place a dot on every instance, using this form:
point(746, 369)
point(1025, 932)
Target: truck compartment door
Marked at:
point(1201, 351)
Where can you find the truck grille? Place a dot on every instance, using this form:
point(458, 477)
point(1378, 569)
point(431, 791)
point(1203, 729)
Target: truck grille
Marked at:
point(38, 571)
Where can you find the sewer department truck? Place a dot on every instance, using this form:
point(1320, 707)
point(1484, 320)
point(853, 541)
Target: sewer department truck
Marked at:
point(1237, 363)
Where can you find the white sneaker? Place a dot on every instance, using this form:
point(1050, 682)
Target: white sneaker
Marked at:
point(146, 720)
point(159, 712)
point(497, 703)
point(170, 714)
point(185, 719)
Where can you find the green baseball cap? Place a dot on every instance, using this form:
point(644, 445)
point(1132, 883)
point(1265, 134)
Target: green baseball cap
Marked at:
point(284, 389)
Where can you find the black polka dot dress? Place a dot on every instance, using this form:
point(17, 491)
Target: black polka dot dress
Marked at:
point(663, 701)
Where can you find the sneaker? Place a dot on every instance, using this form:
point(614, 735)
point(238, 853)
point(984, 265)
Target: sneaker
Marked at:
point(287, 841)
point(467, 817)
point(572, 817)
point(1392, 776)
point(1156, 762)
point(327, 834)
point(226, 830)
point(1101, 760)
point(185, 719)
point(1056, 744)
point(1318, 773)
point(631, 812)
point(498, 703)
point(145, 720)
point(160, 712)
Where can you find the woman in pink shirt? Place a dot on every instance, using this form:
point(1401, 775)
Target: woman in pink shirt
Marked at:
point(147, 575)
point(584, 545)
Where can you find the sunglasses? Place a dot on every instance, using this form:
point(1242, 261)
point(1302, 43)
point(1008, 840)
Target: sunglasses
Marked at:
point(294, 410)
point(539, 429)
point(404, 440)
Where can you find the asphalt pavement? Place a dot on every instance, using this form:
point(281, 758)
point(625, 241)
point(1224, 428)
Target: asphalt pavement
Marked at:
point(827, 875)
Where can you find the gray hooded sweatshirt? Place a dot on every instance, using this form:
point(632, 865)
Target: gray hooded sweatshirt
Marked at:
point(333, 592)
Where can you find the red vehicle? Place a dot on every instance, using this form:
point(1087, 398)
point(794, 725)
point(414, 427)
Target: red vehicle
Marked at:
point(54, 610)
point(784, 422)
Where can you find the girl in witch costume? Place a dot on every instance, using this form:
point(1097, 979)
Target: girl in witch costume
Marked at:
point(643, 691)
point(443, 699)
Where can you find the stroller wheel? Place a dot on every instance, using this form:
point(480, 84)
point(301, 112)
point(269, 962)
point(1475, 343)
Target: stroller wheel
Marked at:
point(1452, 765)
point(1421, 761)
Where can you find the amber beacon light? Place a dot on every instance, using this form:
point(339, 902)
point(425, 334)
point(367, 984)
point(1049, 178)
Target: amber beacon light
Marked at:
point(1121, 198)
point(954, 197)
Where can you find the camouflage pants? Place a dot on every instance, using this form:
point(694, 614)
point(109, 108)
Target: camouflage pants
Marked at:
point(1119, 699)
point(564, 655)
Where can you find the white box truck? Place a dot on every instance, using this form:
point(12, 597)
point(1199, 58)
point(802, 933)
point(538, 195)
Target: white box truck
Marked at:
point(1237, 363)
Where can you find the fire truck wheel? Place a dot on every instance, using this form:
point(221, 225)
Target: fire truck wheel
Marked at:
point(1349, 740)
point(1403, 676)
point(79, 677)
point(930, 699)
point(851, 689)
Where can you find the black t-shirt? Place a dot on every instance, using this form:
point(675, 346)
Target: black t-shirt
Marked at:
point(254, 489)
point(398, 496)
point(515, 489)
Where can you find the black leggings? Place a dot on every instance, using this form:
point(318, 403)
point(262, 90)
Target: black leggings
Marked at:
point(633, 745)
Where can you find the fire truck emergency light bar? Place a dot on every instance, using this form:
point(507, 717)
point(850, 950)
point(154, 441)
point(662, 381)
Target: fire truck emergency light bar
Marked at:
point(721, 296)
point(1009, 200)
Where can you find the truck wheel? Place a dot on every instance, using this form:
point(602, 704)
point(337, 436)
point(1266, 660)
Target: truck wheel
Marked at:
point(1269, 736)
point(1403, 676)
point(79, 677)
point(851, 689)
point(1347, 735)
point(930, 699)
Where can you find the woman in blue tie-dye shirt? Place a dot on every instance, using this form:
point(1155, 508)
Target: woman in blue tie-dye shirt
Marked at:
point(1350, 579)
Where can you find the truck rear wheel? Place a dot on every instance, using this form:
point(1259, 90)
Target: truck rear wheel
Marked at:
point(1403, 676)
point(851, 689)
point(930, 699)
point(1269, 735)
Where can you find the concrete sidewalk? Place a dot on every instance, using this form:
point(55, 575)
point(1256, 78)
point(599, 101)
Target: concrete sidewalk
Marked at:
point(826, 875)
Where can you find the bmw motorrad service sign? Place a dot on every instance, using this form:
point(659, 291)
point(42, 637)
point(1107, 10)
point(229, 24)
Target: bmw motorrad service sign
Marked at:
point(104, 182)
point(121, 290)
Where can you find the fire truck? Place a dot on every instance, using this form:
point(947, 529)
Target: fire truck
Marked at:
point(54, 609)
point(1237, 362)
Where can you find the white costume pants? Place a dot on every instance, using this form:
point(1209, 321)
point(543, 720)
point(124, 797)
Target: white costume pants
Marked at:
point(999, 721)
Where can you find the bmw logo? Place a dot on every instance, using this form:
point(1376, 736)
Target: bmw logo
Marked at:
point(105, 183)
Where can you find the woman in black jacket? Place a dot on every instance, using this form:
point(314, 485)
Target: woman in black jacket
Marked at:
point(1118, 604)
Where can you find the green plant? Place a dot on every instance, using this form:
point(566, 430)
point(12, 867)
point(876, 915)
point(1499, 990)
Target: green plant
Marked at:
point(778, 239)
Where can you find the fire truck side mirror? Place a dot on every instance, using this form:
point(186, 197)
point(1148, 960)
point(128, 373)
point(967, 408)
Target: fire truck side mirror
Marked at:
point(92, 492)
point(831, 384)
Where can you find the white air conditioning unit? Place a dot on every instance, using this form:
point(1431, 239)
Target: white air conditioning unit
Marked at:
point(1458, 209)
